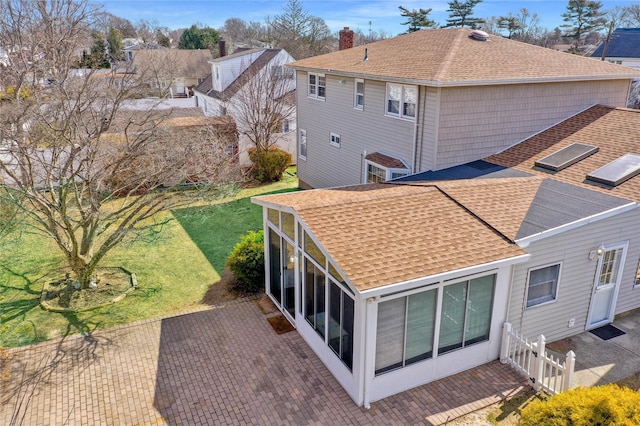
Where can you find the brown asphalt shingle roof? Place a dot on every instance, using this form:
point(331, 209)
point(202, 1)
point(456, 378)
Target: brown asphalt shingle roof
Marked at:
point(381, 234)
point(616, 131)
point(450, 57)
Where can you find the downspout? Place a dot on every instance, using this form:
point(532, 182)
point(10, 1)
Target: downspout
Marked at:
point(415, 134)
point(363, 173)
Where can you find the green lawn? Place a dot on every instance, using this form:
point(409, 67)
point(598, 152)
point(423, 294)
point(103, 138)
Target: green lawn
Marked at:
point(174, 271)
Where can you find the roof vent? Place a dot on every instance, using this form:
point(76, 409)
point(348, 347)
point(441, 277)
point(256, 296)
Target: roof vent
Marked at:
point(479, 35)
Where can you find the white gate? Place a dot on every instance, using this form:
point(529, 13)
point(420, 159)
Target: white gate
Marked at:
point(530, 358)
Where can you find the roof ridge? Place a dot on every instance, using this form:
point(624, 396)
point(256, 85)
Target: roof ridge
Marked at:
point(446, 63)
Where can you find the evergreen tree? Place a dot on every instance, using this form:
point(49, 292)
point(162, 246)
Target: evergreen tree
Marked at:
point(197, 37)
point(582, 17)
point(510, 23)
point(114, 40)
point(460, 14)
point(162, 39)
point(416, 19)
point(97, 57)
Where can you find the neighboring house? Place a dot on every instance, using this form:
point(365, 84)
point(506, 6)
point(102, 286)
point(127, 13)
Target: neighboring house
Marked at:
point(231, 86)
point(623, 47)
point(172, 72)
point(397, 284)
point(434, 99)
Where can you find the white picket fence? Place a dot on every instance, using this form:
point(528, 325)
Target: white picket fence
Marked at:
point(532, 360)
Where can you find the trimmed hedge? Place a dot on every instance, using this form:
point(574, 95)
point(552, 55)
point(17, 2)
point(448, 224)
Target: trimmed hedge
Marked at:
point(605, 405)
point(269, 165)
point(247, 262)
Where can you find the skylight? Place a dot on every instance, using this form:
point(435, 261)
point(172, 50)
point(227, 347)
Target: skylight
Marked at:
point(617, 171)
point(566, 156)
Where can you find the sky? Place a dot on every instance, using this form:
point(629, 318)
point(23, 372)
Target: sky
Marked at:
point(384, 15)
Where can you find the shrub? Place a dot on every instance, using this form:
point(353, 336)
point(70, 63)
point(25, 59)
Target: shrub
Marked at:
point(247, 262)
point(268, 166)
point(599, 405)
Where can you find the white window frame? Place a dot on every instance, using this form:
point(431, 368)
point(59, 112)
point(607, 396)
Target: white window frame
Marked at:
point(557, 286)
point(637, 277)
point(302, 136)
point(335, 140)
point(401, 102)
point(388, 171)
point(316, 86)
point(358, 95)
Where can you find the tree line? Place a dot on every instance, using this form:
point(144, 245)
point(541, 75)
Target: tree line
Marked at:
point(583, 22)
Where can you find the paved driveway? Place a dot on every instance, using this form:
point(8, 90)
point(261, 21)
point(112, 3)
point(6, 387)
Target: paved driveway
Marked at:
point(218, 366)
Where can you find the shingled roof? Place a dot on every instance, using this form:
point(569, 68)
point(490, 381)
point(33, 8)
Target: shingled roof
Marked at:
point(450, 57)
point(381, 234)
point(253, 69)
point(624, 43)
point(615, 131)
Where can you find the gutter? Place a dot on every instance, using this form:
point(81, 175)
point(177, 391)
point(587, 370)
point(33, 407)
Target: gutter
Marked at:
point(443, 276)
point(524, 242)
point(462, 83)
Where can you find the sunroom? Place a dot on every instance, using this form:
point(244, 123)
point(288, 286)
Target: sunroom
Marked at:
point(392, 286)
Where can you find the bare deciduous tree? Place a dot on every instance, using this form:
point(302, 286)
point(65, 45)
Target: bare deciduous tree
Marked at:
point(85, 172)
point(264, 101)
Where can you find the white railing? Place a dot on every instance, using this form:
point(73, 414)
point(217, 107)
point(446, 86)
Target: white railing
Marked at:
point(530, 358)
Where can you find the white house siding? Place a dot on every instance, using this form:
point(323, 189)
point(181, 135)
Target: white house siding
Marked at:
point(475, 122)
point(576, 278)
point(367, 130)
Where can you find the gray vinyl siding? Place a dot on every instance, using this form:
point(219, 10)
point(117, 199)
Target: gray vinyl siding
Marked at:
point(577, 277)
point(475, 122)
point(360, 130)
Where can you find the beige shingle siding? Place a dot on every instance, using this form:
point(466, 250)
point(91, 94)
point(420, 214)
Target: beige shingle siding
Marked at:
point(450, 56)
point(385, 234)
point(614, 130)
point(479, 121)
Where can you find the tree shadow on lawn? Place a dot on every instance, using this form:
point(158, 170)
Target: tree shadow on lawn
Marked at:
point(215, 229)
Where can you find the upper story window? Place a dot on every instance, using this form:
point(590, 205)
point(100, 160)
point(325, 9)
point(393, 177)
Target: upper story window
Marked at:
point(317, 86)
point(401, 100)
point(302, 144)
point(358, 98)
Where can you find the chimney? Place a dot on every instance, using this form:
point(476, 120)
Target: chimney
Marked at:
point(222, 48)
point(346, 39)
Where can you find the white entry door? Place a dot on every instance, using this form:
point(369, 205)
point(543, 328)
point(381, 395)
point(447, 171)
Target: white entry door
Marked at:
point(605, 292)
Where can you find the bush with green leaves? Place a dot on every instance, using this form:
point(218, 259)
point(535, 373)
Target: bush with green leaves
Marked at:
point(247, 262)
point(599, 405)
point(268, 166)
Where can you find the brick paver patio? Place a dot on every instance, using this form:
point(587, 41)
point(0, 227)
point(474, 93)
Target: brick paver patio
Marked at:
point(219, 366)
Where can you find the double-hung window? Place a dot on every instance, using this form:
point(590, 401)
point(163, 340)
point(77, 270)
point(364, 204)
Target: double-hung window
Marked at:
point(358, 100)
point(302, 144)
point(543, 285)
point(317, 86)
point(401, 100)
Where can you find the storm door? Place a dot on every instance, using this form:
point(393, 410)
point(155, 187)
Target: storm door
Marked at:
point(607, 280)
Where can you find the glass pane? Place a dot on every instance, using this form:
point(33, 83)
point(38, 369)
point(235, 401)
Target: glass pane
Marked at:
point(393, 107)
point(334, 317)
point(309, 294)
point(335, 274)
point(609, 268)
point(375, 174)
point(313, 250)
point(299, 235)
point(274, 217)
point(347, 330)
point(274, 265)
point(420, 326)
point(543, 284)
point(320, 302)
point(409, 110)
point(479, 309)
point(289, 225)
point(452, 319)
point(289, 301)
point(390, 334)
point(394, 92)
point(360, 87)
